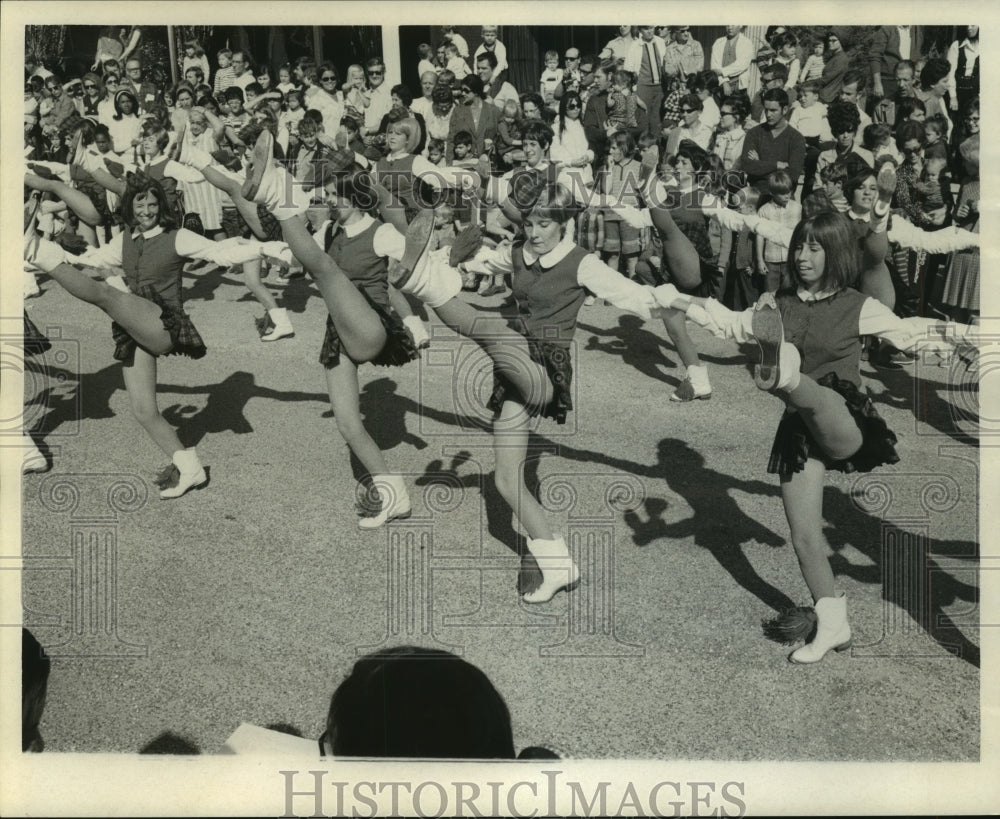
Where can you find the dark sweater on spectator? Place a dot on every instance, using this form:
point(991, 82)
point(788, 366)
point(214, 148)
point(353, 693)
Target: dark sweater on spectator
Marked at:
point(789, 146)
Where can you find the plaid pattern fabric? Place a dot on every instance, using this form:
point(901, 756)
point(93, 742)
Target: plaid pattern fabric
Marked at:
point(185, 339)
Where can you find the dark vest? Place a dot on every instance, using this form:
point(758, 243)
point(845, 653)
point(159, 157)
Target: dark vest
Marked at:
point(397, 177)
point(158, 266)
point(356, 256)
point(966, 85)
point(548, 301)
point(169, 185)
point(825, 333)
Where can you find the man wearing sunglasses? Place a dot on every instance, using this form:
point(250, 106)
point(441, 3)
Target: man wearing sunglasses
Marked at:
point(684, 55)
point(63, 106)
point(378, 90)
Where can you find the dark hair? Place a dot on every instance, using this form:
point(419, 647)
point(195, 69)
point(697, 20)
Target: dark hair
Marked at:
point(692, 101)
point(150, 128)
point(778, 95)
point(695, 154)
point(374, 62)
point(418, 702)
point(782, 39)
point(907, 130)
point(255, 87)
point(234, 92)
point(537, 132)
point(138, 184)
point(532, 96)
point(474, 84)
point(934, 70)
point(843, 117)
point(441, 95)
point(775, 71)
point(851, 185)
point(905, 106)
point(739, 106)
point(209, 102)
point(834, 233)
point(874, 135)
point(404, 94)
point(74, 123)
point(488, 57)
point(135, 103)
point(463, 138)
point(816, 202)
point(197, 69)
point(354, 184)
point(855, 75)
point(563, 103)
point(779, 182)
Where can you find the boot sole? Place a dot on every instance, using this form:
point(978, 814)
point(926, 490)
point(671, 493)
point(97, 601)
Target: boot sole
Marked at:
point(418, 238)
point(278, 338)
point(838, 649)
point(401, 516)
point(768, 332)
point(263, 152)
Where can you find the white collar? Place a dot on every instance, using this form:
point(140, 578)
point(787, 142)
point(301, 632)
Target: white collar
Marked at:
point(805, 296)
point(149, 234)
point(553, 257)
point(360, 226)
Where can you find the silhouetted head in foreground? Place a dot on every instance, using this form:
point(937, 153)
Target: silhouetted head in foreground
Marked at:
point(418, 702)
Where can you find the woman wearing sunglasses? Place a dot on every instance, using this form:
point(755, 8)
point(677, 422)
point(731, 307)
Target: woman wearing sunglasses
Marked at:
point(569, 143)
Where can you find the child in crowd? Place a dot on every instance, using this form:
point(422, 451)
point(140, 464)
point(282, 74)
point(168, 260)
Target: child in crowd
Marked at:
point(356, 94)
point(834, 177)
point(224, 76)
point(194, 57)
point(621, 184)
point(622, 105)
point(935, 129)
point(435, 151)
point(508, 141)
point(552, 76)
point(787, 55)
point(455, 64)
point(649, 154)
point(877, 139)
point(910, 108)
point(288, 121)
point(772, 258)
point(285, 83)
point(737, 255)
point(813, 69)
point(464, 157)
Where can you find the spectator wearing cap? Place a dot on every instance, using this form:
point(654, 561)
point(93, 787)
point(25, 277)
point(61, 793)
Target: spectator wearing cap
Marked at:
point(683, 55)
point(835, 65)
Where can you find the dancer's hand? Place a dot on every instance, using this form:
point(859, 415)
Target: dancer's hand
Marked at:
point(766, 300)
point(886, 181)
point(278, 252)
point(666, 295)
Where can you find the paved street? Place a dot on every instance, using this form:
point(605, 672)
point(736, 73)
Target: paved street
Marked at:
point(250, 600)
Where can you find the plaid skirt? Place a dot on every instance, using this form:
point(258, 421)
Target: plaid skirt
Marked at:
point(794, 444)
point(398, 350)
point(558, 367)
point(184, 338)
